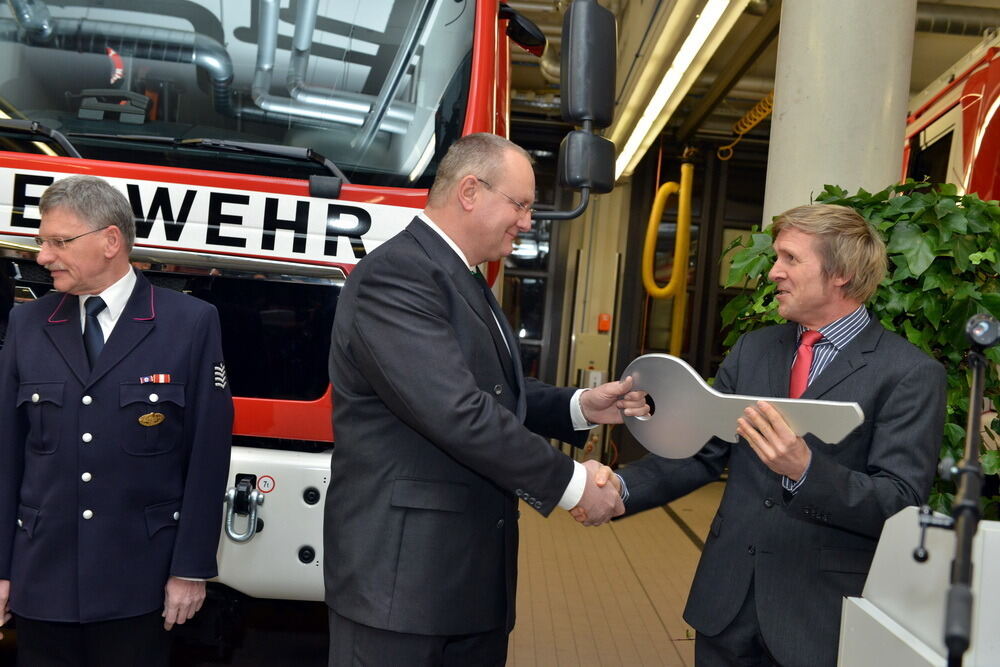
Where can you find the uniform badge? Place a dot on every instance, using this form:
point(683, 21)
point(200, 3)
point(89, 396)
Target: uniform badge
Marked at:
point(220, 375)
point(156, 378)
point(152, 418)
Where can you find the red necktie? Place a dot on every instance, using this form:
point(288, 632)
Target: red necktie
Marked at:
point(803, 362)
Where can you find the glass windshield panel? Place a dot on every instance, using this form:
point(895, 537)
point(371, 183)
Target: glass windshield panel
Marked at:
point(378, 87)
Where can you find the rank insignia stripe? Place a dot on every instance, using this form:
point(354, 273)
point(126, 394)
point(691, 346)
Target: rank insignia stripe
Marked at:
point(221, 380)
point(152, 418)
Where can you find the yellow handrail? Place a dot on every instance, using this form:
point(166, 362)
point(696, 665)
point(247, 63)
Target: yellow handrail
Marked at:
point(676, 287)
point(19, 246)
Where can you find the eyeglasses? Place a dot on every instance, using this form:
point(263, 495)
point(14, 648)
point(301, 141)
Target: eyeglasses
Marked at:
point(59, 243)
point(523, 208)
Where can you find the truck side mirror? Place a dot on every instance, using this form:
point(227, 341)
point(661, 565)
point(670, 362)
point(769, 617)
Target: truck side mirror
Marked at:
point(588, 63)
point(587, 161)
point(587, 72)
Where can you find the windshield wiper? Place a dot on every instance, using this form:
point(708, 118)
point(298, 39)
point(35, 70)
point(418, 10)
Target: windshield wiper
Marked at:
point(248, 147)
point(35, 128)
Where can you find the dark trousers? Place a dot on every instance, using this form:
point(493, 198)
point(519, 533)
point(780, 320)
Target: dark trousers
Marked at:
point(739, 645)
point(353, 645)
point(139, 641)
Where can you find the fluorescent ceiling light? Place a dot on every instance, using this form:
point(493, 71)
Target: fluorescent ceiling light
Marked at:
point(657, 111)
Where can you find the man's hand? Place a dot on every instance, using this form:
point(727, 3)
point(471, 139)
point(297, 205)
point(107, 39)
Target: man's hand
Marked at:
point(601, 405)
point(601, 501)
point(182, 600)
point(4, 608)
point(770, 437)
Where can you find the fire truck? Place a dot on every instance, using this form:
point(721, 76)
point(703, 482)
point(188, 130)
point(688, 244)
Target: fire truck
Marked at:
point(953, 129)
point(266, 147)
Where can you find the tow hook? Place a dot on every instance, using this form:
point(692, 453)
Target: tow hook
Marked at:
point(242, 500)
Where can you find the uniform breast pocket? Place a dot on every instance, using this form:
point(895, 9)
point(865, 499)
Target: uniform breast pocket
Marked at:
point(42, 403)
point(154, 415)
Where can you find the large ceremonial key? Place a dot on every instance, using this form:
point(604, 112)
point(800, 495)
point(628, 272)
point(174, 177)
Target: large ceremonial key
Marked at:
point(687, 412)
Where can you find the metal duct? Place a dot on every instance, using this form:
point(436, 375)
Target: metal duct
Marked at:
point(355, 104)
point(956, 19)
point(33, 26)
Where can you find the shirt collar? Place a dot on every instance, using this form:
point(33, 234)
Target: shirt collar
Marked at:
point(842, 331)
point(447, 239)
point(116, 296)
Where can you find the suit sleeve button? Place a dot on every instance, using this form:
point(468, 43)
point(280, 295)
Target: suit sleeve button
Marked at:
point(500, 523)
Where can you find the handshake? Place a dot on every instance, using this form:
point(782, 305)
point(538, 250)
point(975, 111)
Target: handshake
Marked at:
point(601, 501)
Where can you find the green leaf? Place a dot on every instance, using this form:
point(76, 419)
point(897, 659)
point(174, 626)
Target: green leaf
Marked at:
point(948, 189)
point(944, 207)
point(977, 258)
point(907, 239)
point(737, 306)
point(991, 302)
point(991, 462)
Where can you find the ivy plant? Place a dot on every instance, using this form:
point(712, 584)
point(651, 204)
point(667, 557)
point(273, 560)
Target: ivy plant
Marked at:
point(944, 261)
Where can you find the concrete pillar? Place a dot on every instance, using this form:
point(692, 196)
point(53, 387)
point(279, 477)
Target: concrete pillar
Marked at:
point(840, 98)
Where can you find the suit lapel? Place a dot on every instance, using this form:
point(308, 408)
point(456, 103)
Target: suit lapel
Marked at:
point(847, 362)
point(63, 329)
point(468, 286)
point(779, 360)
point(135, 323)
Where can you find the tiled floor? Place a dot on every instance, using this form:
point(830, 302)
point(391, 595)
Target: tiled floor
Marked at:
point(612, 595)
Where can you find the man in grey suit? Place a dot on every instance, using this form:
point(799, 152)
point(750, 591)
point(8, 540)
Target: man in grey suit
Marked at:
point(800, 518)
point(438, 433)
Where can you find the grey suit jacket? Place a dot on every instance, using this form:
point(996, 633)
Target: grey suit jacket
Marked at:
point(434, 443)
point(804, 553)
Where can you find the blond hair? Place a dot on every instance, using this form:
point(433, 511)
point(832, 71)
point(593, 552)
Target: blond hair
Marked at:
point(848, 245)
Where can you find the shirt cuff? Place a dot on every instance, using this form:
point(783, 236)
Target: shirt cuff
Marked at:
point(580, 422)
point(624, 493)
point(793, 487)
point(574, 490)
point(189, 578)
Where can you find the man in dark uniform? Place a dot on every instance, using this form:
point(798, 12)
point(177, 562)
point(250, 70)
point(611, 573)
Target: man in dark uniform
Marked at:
point(115, 422)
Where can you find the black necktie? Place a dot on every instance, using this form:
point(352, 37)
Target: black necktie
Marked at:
point(93, 337)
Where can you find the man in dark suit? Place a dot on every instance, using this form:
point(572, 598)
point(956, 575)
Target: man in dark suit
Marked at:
point(115, 421)
point(438, 433)
point(800, 518)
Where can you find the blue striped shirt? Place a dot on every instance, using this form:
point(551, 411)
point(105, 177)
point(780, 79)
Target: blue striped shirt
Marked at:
point(836, 336)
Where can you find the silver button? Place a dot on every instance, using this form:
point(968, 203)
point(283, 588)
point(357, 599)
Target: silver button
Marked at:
point(20, 524)
point(86, 400)
point(86, 437)
point(153, 398)
point(177, 516)
point(87, 514)
point(497, 389)
point(35, 398)
point(500, 523)
point(86, 477)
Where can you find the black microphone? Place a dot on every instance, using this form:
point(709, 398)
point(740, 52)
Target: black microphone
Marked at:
point(983, 330)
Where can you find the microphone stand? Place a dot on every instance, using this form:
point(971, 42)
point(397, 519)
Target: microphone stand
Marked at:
point(965, 512)
point(983, 331)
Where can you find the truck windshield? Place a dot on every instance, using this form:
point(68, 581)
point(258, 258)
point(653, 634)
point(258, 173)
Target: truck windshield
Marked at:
point(379, 87)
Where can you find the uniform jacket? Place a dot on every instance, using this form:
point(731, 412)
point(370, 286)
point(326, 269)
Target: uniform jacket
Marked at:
point(435, 441)
point(805, 552)
point(72, 447)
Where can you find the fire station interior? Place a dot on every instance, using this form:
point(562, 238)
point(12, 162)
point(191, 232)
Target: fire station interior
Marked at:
point(574, 293)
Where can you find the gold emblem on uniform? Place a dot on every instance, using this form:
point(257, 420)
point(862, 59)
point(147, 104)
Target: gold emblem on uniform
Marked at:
point(151, 418)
